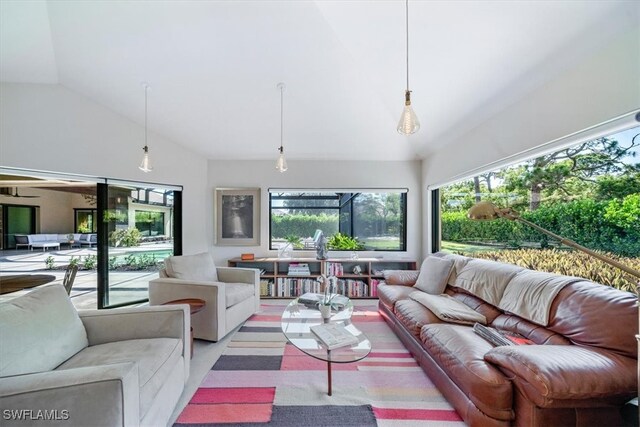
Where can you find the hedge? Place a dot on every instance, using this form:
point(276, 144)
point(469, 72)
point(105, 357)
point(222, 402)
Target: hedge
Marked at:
point(611, 226)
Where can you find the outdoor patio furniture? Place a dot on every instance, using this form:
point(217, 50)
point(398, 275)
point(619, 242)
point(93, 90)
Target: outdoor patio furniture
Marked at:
point(88, 240)
point(22, 240)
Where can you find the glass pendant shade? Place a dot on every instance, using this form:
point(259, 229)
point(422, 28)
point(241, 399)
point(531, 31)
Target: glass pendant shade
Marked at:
point(281, 163)
point(409, 122)
point(145, 164)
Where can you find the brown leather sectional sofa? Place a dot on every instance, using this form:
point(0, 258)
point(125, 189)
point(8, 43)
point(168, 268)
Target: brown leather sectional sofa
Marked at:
point(580, 371)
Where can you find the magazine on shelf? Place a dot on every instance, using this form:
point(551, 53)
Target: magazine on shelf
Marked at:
point(333, 335)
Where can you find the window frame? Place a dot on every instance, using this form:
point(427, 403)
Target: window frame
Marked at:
point(345, 227)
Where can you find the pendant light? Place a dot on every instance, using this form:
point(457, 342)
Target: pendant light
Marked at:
point(408, 123)
point(145, 164)
point(281, 163)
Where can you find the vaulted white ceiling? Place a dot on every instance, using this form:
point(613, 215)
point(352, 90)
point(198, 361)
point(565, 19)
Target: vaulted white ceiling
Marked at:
point(213, 66)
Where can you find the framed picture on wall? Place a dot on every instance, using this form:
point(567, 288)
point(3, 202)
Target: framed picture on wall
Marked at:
point(238, 216)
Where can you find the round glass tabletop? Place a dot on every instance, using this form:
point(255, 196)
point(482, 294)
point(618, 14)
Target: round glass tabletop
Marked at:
point(297, 321)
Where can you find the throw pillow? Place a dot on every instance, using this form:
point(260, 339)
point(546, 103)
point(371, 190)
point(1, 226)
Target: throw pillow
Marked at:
point(449, 309)
point(199, 267)
point(400, 277)
point(434, 274)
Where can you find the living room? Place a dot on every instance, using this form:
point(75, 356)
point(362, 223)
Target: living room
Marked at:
point(492, 83)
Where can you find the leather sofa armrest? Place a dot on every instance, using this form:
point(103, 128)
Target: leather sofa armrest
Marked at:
point(549, 373)
point(105, 395)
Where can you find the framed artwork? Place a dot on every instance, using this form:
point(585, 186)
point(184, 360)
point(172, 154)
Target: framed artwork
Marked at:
point(238, 216)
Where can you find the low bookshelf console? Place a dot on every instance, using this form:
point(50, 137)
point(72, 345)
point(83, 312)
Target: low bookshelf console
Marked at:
point(292, 277)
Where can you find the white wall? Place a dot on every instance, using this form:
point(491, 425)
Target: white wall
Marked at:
point(50, 128)
point(314, 174)
point(602, 87)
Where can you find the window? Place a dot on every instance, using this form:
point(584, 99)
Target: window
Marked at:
point(150, 223)
point(367, 220)
point(85, 220)
point(588, 193)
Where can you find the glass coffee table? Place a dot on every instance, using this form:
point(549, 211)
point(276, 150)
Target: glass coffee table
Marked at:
point(297, 320)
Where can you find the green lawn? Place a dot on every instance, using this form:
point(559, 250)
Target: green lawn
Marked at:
point(466, 248)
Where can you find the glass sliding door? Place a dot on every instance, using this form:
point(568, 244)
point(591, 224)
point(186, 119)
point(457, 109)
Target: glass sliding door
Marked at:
point(17, 220)
point(137, 229)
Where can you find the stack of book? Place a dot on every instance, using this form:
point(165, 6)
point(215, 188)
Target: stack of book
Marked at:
point(333, 335)
point(299, 269)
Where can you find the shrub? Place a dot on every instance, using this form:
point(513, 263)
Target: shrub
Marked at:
point(90, 262)
point(343, 242)
point(610, 226)
point(569, 263)
point(49, 263)
point(125, 237)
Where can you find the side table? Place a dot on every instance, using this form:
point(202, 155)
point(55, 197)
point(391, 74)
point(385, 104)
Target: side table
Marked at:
point(195, 305)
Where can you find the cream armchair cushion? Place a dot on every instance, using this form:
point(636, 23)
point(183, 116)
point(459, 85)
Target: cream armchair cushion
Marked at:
point(191, 267)
point(229, 300)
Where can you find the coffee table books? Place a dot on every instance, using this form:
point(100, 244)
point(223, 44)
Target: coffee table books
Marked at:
point(311, 300)
point(334, 335)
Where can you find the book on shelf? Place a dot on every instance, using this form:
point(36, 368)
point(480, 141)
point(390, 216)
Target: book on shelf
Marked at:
point(334, 335)
point(298, 269)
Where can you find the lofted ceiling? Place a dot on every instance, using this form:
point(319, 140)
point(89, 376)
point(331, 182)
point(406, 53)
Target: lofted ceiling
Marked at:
point(213, 66)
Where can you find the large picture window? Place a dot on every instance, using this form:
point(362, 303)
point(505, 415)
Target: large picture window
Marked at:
point(352, 220)
point(588, 193)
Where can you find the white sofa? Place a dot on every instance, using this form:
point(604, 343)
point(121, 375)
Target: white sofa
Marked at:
point(231, 295)
point(121, 367)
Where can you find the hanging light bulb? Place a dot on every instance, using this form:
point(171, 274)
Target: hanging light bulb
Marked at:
point(145, 164)
point(281, 163)
point(408, 123)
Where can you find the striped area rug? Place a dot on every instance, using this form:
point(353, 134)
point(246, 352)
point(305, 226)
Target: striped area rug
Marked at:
point(261, 380)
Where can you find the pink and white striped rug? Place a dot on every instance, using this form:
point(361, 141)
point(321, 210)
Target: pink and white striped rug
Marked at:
point(262, 380)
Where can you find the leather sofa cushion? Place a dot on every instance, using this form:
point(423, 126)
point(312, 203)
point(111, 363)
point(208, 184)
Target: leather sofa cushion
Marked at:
point(155, 357)
point(40, 330)
point(487, 310)
point(237, 292)
point(548, 374)
point(390, 294)
point(400, 277)
point(434, 274)
point(413, 316)
point(536, 333)
point(460, 353)
point(486, 279)
point(581, 309)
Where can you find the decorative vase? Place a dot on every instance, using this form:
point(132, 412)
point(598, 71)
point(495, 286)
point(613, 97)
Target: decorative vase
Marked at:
point(325, 311)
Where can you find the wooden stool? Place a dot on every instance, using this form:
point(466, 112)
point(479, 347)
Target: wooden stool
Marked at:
point(195, 305)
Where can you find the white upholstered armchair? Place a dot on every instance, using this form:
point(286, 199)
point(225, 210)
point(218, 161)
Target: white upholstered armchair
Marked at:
point(231, 295)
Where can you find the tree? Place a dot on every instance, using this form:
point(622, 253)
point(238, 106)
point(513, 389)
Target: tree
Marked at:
point(585, 162)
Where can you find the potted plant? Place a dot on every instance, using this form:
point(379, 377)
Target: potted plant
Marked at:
point(70, 238)
point(325, 304)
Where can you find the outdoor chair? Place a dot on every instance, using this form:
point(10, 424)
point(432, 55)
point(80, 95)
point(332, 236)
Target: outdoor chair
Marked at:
point(69, 277)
